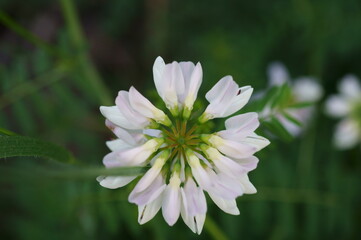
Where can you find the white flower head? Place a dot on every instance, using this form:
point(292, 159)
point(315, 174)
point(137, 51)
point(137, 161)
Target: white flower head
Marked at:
point(303, 90)
point(346, 105)
point(184, 161)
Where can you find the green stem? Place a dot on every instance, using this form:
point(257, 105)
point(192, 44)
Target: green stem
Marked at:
point(11, 24)
point(87, 67)
point(212, 228)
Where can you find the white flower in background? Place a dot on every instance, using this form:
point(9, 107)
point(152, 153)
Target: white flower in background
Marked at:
point(346, 105)
point(184, 160)
point(303, 90)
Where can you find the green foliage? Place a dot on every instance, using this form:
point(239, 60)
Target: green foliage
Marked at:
point(19, 146)
point(306, 189)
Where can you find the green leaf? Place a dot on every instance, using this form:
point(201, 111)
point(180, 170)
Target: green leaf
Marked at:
point(278, 129)
point(302, 105)
point(6, 132)
point(20, 146)
point(283, 95)
point(291, 119)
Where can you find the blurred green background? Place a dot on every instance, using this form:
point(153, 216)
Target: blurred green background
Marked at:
point(53, 82)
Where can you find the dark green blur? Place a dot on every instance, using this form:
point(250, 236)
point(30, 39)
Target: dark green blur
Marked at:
point(53, 81)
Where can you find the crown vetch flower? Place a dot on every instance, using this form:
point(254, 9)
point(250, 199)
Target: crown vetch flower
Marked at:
point(303, 90)
point(346, 105)
point(185, 162)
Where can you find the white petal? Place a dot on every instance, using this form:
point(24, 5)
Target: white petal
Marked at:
point(171, 202)
point(131, 157)
point(229, 167)
point(147, 212)
point(153, 132)
point(118, 144)
point(221, 88)
point(115, 116)
point(145, 196)
point(232, 148)
point(192, 85)
point(150, 175)
point(248, 187)
point(277, 74)
point(347, 134)
point(350, 86)
point(249, 163)
point(113, 182)
point(229, 206)
point(193, 219)
point(337, 106)
point(196, 200)
point(220, 96)
point(174, 84)
point(144, 106)
point(240, 126)
point(158, 69)
point(239, 101)
point(307, 89)
point(256, 141)
point(246, 121)
point(124, 106)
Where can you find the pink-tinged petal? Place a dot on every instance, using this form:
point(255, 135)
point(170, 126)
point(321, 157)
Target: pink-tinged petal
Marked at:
point(227, 205)
point(158, 70)
point(234, 149)
point(132, 137)
point(113, 182)
point(151, 174)
point(123, 104)
point(196, 201)
point(347, 134)
point(277, 74)
point(172, 201)
point(132, 157)
point(226, 187)
point(350, 87)
point(114, 115)
point(147, 212)
point(194, 222)
point(145, 196)
point(337, 106)
point(143, 106)
point(229, 167)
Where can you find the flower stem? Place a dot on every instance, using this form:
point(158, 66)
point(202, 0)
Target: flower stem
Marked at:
point(87, 67)
point(211, 227)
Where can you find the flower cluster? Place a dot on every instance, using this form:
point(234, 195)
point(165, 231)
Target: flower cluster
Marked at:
point(185, 161)
point(303, 91)
point(346, 105)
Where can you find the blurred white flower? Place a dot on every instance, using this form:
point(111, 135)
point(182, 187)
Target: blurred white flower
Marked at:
point(184, 160)
point(346, 105)
point(303, 90)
